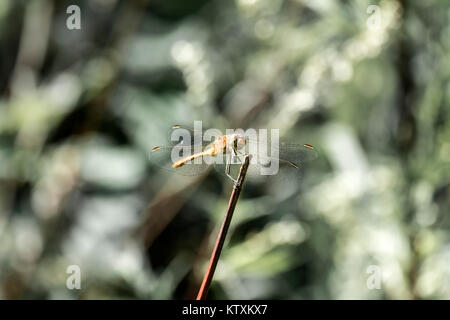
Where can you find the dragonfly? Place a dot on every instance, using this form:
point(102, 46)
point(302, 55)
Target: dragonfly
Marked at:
point(193, 154)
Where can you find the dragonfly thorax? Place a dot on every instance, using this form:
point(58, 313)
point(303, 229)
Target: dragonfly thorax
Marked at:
point(236, 141)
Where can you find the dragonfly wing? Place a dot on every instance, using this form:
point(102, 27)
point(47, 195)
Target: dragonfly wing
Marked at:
point(297, 153)
point(281, 156)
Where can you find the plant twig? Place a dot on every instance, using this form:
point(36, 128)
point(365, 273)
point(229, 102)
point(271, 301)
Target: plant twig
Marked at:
point(223, 231)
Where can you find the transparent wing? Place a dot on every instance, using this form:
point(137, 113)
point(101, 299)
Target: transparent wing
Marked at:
point(184, 142)
point(295, 154)
point(287, 157)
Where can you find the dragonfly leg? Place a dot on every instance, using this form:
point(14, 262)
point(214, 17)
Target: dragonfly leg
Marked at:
point(240, 156)
point(227, 168)
point(235, 154)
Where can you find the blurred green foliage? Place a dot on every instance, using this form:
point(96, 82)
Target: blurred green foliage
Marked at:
point(81, 109)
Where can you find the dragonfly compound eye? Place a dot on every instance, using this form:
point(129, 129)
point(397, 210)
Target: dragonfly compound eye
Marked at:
point(240, 141)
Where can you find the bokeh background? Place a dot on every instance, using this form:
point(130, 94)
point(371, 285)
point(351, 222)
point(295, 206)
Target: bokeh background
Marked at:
point(81, 109)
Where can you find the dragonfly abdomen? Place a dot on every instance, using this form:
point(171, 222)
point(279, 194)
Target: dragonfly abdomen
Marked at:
point(213, 149)
point(183, 161)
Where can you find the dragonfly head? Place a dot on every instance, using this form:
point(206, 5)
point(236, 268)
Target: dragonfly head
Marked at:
point(238, 141)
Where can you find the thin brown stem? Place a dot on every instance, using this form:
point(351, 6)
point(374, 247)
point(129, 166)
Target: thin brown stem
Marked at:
point(223, 231)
